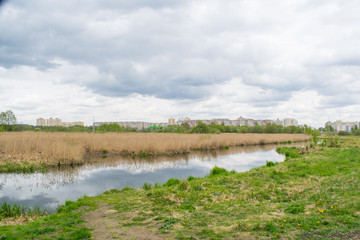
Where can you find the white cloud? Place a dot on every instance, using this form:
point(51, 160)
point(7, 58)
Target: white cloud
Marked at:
point(152, 60)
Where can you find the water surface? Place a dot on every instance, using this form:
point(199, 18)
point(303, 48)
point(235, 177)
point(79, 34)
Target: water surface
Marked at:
point(50, 189)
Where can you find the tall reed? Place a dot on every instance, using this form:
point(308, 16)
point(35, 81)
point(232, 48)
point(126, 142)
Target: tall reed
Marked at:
point(52, 148)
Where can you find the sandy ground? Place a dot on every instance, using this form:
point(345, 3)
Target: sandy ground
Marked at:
point(107, 224)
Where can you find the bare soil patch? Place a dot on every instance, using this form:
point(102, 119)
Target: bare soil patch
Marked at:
point(106, 224)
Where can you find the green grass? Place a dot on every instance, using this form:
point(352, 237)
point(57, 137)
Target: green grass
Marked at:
point(314, 194)
point(25, 167)
point(8, 210)
point(64, 224)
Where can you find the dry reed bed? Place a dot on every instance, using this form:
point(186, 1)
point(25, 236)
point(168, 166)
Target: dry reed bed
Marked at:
point(66, 148)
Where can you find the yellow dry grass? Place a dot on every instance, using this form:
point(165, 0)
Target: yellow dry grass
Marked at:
point(74, 147)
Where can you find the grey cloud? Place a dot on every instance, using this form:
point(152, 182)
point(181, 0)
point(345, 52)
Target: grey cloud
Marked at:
point(180, 49)
point(2, 2)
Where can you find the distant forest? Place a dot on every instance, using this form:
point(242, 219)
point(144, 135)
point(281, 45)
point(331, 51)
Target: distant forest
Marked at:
point(184, 128)
point(8, 123)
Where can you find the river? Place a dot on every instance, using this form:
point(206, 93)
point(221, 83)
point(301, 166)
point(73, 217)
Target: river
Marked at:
point(48, 190)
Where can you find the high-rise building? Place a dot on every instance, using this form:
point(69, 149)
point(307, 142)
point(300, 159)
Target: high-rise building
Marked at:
point(51, 122)
point(40, 122)
point(171, 121)
point(290, 122)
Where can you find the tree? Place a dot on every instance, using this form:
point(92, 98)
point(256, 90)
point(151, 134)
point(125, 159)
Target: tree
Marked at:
point(7, 118)
point(200, 128)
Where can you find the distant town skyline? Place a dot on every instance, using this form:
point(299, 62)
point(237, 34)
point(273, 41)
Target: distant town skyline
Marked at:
point(240, 121)
point(152, 60)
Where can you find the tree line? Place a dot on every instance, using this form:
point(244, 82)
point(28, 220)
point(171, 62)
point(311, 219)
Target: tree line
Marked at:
point(8, 122)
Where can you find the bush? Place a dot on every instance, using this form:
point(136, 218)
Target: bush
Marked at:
point(171, 182)
point(343, 133)
point(218, 171)
point(147, 186)
point(270, 164)
point(356, 132)
point(190, 178)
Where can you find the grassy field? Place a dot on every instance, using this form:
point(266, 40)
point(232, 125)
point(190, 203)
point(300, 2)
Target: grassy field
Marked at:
point(33, 150)
point(313, 194)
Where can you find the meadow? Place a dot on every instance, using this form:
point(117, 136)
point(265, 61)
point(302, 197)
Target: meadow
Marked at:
point(313, 194)
point(34, 149)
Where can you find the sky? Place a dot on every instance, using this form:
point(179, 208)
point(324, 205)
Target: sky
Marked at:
point(149, 60)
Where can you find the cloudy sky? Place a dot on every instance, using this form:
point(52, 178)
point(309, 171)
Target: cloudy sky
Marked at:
point(151, 60)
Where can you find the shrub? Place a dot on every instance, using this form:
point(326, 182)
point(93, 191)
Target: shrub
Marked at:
point(270, 164)
point(315, 137)
point(143, 154)
point(356, 132)
point(171, 182)
point(218, 171)
point(190, 178)
point(343, 133)
point(147, 186)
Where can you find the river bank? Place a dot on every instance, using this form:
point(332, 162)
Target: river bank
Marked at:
point(314, 194)
point(30, 151)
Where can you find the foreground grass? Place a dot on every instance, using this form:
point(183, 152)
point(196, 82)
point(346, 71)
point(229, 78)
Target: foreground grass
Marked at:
point(64, 224)
point(314, 194)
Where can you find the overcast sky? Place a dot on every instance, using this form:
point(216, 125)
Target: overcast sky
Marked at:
point(150, 60)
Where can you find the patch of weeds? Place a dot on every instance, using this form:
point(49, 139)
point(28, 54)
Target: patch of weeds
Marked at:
point(262, 195)
point(242, 226)
point(270, 164)
point(191, 178)
point(183, 185)
point(147, 186)
point(7, 210)
point(218, 171)
point(127, 189)
point(270, 227)
point(143, 154)
point(171, 182)
point(187, 206)
point(169, 223)
point(197, 188)
point(225, 147)
point(138, 219)
point(104, 151)
point(209, 234)
point(9, 167)
point(295, 208)
point(289, 152)
point(112, 191)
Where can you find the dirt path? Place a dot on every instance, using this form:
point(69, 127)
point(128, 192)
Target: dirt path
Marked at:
point(109, 224)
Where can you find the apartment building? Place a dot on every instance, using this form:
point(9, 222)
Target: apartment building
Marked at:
point(171, 121)
point(134, 124)
point(56, 122)
point(290, 122)
point(343, 126)
point(40, 122)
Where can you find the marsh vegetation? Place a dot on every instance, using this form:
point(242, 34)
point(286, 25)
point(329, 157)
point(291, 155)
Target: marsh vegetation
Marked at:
point(33, 150)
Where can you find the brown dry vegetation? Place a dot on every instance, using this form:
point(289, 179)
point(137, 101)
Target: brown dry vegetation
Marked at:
point(67, 148)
